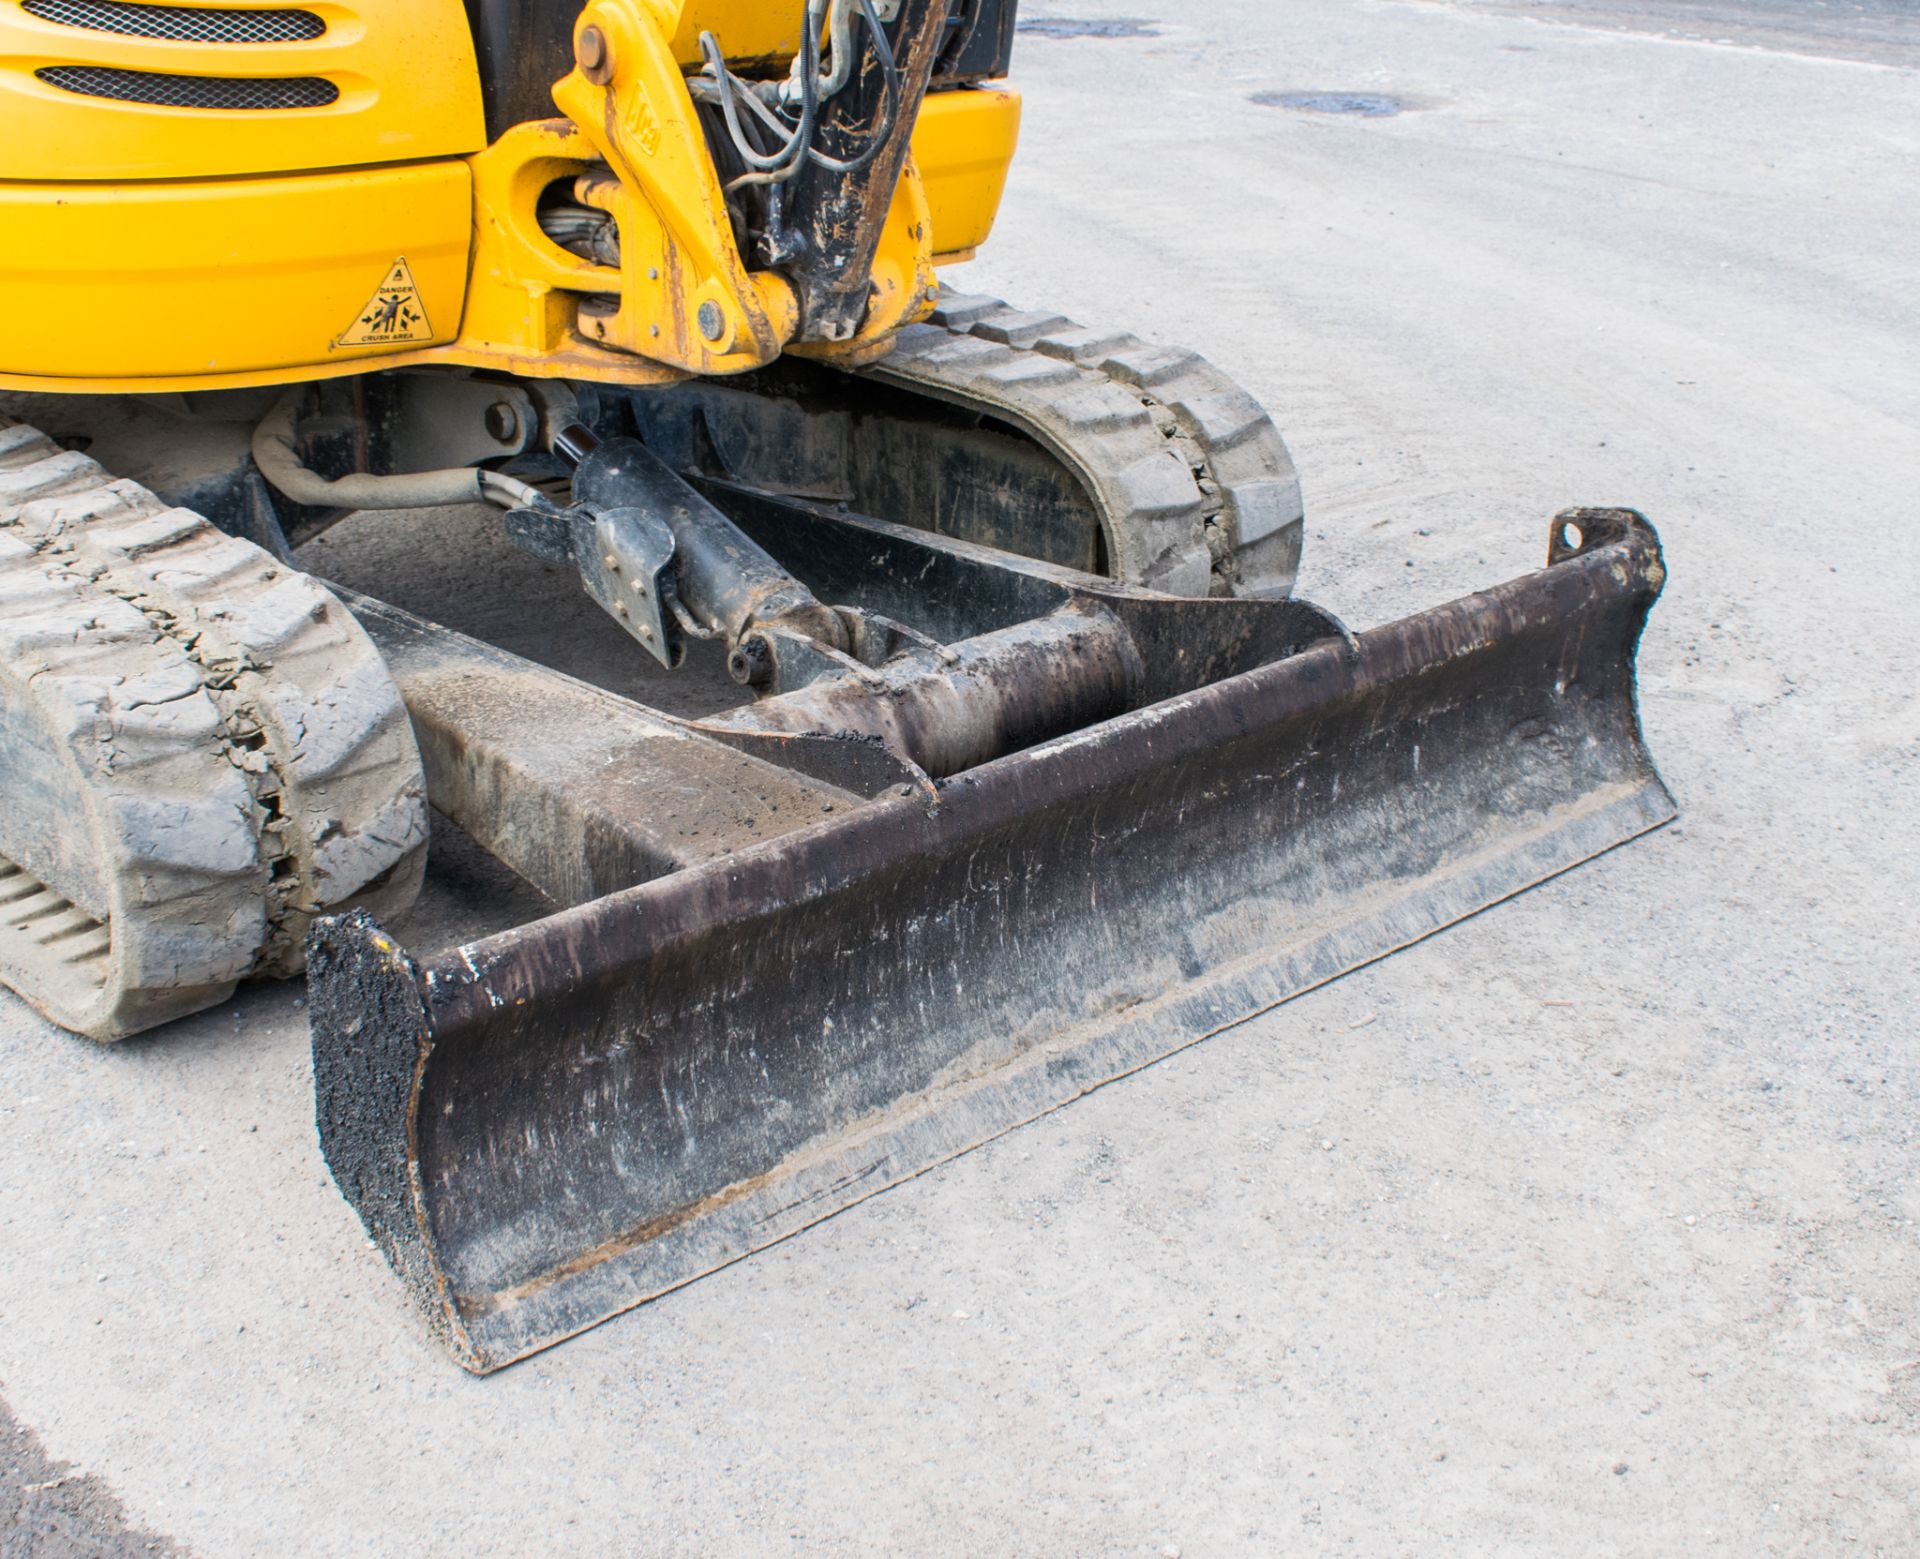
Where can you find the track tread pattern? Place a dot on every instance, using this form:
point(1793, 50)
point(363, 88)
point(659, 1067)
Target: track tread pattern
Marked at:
point(1196, 487)
point(245, 757)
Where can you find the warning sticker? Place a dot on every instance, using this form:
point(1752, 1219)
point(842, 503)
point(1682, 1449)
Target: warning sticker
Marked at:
point(393, 314)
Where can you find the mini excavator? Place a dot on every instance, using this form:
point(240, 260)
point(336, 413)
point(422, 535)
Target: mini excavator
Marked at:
point(1015, 763)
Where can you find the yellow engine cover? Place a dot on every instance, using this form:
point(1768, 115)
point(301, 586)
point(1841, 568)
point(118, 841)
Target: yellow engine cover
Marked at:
point(195, 194)
point(319, 85)
point(231, 280)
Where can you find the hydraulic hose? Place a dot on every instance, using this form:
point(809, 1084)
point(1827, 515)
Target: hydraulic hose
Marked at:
point(277, 455)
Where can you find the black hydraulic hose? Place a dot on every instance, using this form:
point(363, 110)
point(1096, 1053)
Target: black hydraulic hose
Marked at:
point(779, 166)
point(574, 443)
point(891, 76)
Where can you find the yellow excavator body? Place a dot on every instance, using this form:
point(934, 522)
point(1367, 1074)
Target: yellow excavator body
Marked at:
point(327, 203)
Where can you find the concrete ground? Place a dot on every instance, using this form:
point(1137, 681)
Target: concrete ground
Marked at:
point(1615, 1247)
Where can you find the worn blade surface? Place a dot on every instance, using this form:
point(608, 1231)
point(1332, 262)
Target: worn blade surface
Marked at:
point(550, 1126)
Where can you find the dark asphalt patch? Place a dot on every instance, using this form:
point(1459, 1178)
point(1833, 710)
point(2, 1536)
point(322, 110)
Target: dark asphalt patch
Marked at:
point(1366, 105)
point(48, 1510)
point(1879, 32)
point(1075, 27)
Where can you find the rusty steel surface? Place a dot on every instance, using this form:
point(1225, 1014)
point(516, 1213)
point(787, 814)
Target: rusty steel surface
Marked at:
point(580, 791)
point(729, 584)
point(1001, 692)
point(546, 1127)
point(1019, 651)
point(1032, 650)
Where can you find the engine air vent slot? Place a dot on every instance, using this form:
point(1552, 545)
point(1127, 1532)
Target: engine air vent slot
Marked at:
point(224, 92)
point(178, 22)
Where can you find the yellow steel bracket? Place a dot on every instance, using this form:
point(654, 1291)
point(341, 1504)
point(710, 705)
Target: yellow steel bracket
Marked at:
point(686, 298)
point(526, 292)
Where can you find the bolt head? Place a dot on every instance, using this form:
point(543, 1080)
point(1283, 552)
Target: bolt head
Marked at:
point(502, 422)
point(594, 56)
point(750, 664)
point(713, 323)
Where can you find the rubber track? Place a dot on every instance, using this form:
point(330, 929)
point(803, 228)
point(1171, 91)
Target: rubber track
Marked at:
point(273, 689)
point(161, 842)
point(1198, 491)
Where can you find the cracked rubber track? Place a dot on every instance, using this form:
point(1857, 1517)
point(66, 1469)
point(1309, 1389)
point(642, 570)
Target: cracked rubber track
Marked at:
point(1197, 492)
point(200, 751)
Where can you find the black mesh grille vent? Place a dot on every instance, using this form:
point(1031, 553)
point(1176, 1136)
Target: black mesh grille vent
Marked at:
point(177, 21)
point(242, 92)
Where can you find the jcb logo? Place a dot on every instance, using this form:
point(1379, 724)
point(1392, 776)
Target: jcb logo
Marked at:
point(642, 128)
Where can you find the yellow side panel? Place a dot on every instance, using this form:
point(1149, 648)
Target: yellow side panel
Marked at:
point(963, 142)
point(403, 71)
point(754, 34)
point(212, 278)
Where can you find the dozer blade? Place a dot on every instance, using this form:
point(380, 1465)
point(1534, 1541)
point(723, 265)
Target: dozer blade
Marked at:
point(549, 1126)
